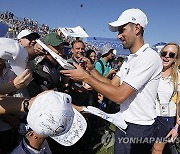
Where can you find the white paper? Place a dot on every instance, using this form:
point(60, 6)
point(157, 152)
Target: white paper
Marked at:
point(116, 118)
point(63, 62)
point(74, 32)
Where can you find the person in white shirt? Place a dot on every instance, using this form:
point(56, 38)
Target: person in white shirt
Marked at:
point(134, 86)
point(166, 105)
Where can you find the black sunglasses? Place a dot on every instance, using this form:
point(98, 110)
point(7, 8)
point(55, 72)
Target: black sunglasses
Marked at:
point(30, 37)
point(171, 54)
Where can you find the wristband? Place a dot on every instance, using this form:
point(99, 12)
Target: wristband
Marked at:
point(26, 104)
point(175, 128)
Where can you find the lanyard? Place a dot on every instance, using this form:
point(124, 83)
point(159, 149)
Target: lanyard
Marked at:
point(169, 98)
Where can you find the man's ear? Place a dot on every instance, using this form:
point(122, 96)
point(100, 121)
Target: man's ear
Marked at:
point(138, 28)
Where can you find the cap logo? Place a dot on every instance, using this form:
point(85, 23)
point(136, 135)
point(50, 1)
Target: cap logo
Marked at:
point(67, 100)
point(133, 19)
point(59, 130)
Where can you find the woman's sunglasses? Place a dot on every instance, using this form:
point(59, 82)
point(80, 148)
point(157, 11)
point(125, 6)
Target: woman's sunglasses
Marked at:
point(164, 53)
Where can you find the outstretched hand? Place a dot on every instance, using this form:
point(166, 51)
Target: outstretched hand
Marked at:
point(23, 79)
point(76, 74)
point(89, 66)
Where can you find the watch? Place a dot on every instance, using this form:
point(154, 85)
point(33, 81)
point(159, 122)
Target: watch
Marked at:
point(26, 104)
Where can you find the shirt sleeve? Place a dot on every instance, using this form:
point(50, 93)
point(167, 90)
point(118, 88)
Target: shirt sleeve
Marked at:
point(98, 67)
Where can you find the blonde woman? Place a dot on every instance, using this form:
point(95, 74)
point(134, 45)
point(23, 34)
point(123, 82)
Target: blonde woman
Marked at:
point(166, 105)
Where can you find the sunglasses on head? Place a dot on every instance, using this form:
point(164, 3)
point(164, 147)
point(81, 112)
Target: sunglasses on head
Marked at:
point(171, 54)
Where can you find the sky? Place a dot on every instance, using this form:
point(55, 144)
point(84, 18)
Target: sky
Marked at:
point(94, 15)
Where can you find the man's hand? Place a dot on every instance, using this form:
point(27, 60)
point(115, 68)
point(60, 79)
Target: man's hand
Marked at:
point(76, 74)
point(23, 79)
point(111, 72)
point(38, 49)
point(89, 66)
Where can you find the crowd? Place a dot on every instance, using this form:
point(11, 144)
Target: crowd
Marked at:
point(17, 24)
point(42, 103)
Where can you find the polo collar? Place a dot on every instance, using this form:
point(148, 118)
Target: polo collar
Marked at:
point(142, 49)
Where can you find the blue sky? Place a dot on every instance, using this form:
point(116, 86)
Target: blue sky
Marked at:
point(94, 15)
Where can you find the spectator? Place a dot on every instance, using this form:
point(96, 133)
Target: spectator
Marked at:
point(46, 69)
point(79, 94)
point(93, 95)
point(134, 86)
point(9, 123)
point(51, 114)
point(91, 55)
point(55, 43)
point(27, 38)
point(78, 51)
point(169, 86)
point(117, 63)
point(11, 85)
point(103, 65)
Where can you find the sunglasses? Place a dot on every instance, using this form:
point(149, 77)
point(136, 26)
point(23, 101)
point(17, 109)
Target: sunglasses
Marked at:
point(30, 37)
point(171, 54)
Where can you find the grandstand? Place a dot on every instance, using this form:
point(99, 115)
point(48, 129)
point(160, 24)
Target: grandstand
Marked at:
point(16, 24)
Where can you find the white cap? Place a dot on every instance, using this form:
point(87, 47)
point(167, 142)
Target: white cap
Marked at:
point(11, 50)
point(3, 29)
point(115, 52)
point(131, 15)
point(52, 114)
point(105, 49)
point(27, 32)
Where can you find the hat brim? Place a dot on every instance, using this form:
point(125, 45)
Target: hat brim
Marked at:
point(75, 132)
point(113, 26)
point(66, 43)
point(54, 43)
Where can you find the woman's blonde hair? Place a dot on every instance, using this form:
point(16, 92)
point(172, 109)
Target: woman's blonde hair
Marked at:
point(174, 70)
